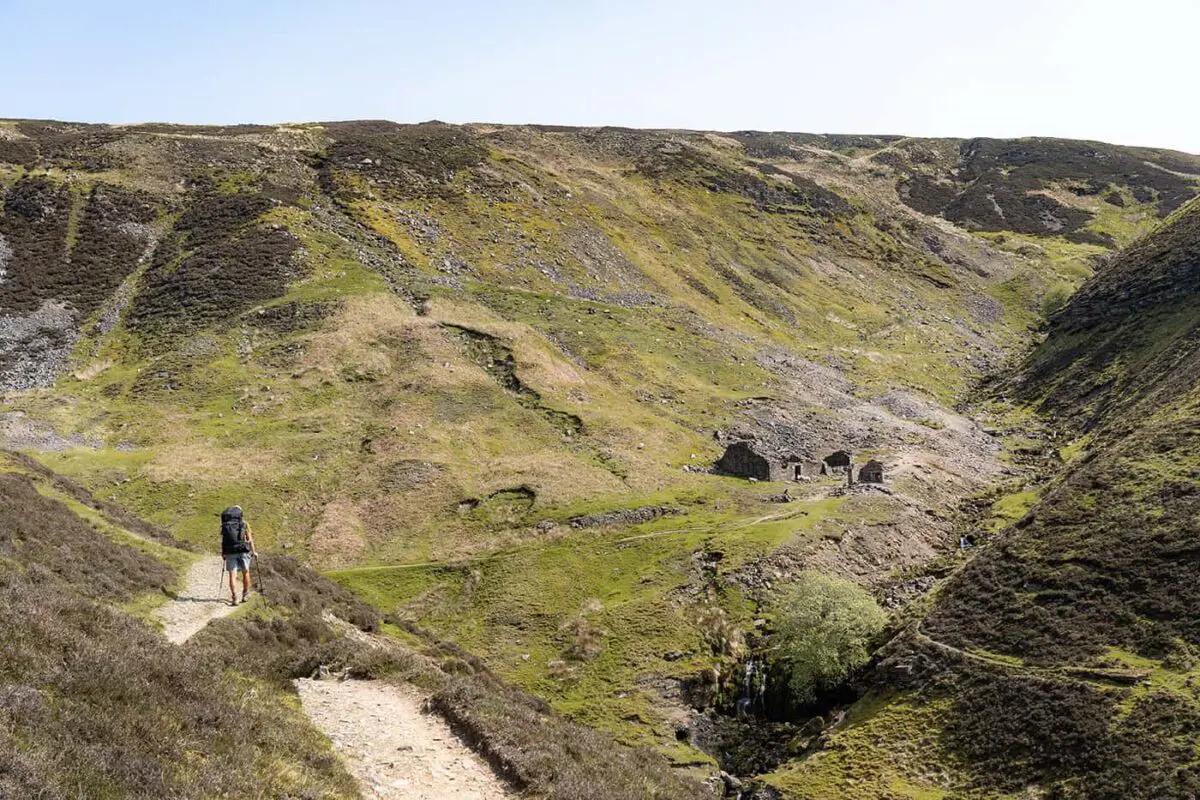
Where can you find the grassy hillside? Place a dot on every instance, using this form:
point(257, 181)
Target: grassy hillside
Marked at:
point(478, 374)
point(1063, 656)
point(94, 702)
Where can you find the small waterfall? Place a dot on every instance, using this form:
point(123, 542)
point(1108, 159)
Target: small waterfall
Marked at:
point(754, 688)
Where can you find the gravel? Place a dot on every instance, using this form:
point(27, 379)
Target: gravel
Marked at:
point(22, 433)
point(5, 254)
point(34, 347)
point(393, 746)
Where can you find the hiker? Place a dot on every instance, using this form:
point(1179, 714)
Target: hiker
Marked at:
point(237, 548)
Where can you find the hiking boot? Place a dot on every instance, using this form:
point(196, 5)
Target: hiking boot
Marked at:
point(245, 595)
point(233, 599)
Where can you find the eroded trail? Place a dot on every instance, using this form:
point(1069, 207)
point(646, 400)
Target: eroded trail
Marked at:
point(199, 602)
point(392, 747)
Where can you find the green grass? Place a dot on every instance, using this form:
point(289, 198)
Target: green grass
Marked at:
point(1071, 451)
point(1178, 679)
point(883, 752)
point(516, 608)
point(1126, 224)
point(650, 382)
point(1010, 508)
point(360, 441)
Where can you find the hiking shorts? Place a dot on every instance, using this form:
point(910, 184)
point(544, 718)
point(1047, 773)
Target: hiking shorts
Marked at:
point(237, 562)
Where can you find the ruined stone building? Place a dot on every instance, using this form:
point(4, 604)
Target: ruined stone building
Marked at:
point(749, 459)
point(837, 462)
point(871, 472)
point(745, 460)
point(809, 469)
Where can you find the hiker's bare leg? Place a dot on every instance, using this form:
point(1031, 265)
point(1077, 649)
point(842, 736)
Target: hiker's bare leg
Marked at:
point(231, 589)
point(245, 582)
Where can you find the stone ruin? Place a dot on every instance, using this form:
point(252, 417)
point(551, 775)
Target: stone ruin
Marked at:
point(837, 463)
point(750, 459)
point(745, 460)
point(809, 469)
point(871, 472)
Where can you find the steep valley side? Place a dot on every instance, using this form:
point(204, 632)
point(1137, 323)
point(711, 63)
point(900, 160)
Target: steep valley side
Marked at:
point(1060, 660)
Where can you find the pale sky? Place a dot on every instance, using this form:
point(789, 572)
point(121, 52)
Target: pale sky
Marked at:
point(1113, 70)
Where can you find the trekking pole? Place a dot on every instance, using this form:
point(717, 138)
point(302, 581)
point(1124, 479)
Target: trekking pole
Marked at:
point(221, 584)
point(258, 572)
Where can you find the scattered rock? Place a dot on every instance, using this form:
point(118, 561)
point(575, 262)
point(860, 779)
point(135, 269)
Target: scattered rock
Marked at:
point(902, 594)
point(35, 347)
point(23, 433)
point(629, 516)
point(732, 784)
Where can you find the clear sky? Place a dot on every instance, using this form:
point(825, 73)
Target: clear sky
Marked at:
point(1115, 70)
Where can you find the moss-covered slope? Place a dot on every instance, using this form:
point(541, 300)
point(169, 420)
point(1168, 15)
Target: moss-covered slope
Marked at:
point(325, 315)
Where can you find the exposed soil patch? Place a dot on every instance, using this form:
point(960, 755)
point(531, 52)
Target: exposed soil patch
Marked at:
point(497, 361)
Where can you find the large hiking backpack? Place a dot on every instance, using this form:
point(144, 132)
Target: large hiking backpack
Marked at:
point(233, 532)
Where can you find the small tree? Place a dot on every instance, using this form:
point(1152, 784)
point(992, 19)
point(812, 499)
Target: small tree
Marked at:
point(823, 631)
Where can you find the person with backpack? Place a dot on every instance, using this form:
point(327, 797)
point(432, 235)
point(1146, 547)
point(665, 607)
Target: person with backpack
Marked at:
point(237, 548)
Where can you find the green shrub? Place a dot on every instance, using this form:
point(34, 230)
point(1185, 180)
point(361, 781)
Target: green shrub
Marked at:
point(823, 631)
point(1055, 298)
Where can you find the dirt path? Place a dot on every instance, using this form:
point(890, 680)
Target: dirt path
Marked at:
point(1102, 675)
point(392, 747)
point(200, 601)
